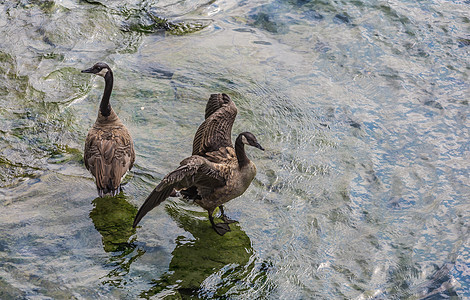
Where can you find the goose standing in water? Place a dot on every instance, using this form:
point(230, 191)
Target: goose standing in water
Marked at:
point(109, 150)
point(216, 172)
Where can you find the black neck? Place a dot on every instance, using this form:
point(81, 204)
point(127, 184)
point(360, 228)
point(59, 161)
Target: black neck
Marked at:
point(240, 152)
point(105, 107)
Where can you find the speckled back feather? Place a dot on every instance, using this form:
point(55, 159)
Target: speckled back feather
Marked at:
point(109, 153)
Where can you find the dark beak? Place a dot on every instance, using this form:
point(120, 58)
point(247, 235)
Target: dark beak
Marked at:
point(90, 70)
point(259, 146)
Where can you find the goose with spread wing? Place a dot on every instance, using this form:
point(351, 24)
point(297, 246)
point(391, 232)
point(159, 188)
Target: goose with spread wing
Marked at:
point(109, 150)
point(216, 172)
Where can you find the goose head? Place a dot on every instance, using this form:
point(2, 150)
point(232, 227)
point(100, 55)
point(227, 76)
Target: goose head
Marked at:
point(249, 138)
point(100, 69)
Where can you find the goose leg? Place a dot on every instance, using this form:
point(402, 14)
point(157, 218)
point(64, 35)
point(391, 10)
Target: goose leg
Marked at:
point(224, 217)
point(220, 228)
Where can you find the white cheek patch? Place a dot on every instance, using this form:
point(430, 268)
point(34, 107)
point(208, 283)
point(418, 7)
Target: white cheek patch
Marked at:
point(244, 140)
point(103, 72)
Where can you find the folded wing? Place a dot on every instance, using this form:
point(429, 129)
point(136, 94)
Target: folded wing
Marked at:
point(108, 156)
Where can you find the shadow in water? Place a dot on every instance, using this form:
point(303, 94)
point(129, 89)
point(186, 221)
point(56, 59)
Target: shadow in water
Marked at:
point(440, 285)
point(113, 217)
point(204, 266)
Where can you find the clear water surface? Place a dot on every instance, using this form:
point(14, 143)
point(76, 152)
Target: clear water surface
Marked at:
point(362, 107)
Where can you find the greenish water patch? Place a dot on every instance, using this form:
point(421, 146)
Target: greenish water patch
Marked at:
point(145, 22)
point(113, 218)
point(46, 287)
point(199, 258)
point(9, 292)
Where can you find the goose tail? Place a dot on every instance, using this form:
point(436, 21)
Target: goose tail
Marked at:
point(105, 183)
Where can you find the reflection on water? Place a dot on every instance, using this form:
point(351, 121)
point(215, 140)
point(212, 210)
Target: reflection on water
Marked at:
point(205, 264)
point(113, 217)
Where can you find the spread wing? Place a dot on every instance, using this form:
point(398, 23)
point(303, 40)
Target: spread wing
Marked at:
point(193, 171)
point(109, 154)
point(216, 130)
point(215, 102)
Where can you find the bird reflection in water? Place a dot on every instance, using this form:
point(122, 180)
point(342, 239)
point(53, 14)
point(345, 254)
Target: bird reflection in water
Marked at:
point(113, 217)
point(207, 264)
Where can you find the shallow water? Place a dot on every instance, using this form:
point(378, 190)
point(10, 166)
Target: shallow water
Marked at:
point(362, 107)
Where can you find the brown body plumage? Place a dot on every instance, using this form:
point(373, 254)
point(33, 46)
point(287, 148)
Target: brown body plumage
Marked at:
point(109, 150)
point(216, 172)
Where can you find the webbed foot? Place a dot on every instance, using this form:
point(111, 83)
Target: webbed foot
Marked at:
point(221, 228)
point(224, 217)
point(227, 220)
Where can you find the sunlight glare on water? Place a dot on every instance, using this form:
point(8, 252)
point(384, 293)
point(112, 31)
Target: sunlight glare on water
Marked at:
point(362, 107)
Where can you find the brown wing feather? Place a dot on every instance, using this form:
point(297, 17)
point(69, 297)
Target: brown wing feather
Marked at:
point(216, 130)
point(215, 102)
point(152, 201)
point(194, 170)
point(109, 154)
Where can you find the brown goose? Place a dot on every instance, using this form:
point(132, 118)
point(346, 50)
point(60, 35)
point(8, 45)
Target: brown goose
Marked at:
point(216, 172)
point(109, 150)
